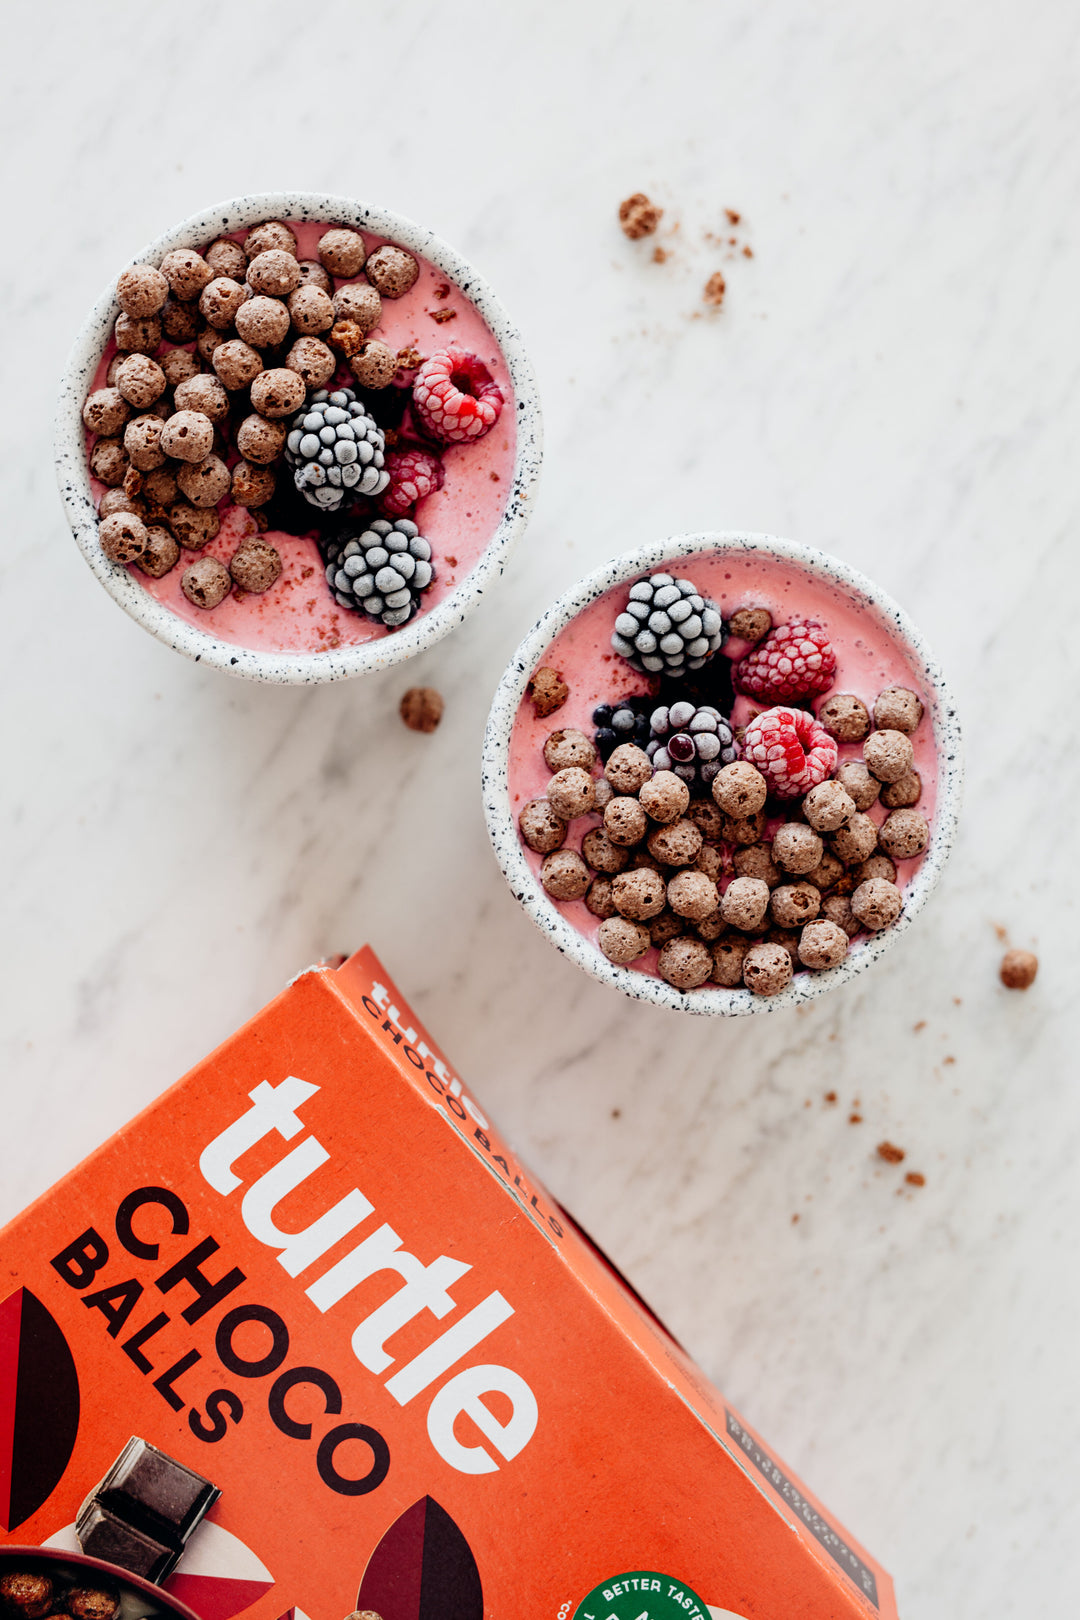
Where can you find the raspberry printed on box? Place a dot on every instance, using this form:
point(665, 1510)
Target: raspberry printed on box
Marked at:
point(314, 1273)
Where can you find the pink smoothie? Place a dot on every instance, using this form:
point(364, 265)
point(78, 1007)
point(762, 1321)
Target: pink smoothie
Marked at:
point(298, 614)
point(869, 657)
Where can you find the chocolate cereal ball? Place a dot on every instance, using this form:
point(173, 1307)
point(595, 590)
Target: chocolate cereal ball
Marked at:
point(827, 872)
point(744, 829)
point(274, 273)
point(685, 963)
point(822, 944)
point(220, 300)
point(262, 322)
point(856, 840)
point(193, 526)
point(888, 755)
point(311, 310)
point(236, 363)
point(142, 290)
point(392, 271)
point(178, 365)
point(755, 860)
point(180, 322)
point(188, 436)
point(676, 844)
point(312, 361)
point(106, 410)
point(204, 483)
point(272, 234)
point(342, 252)
point(878, 866)
point(108, 462)
point(837, 908)
point(27, 1593)
point(628, 768)
point(312, 274)
point(251, 485)
point(728, 957)
point(745, 902)
point(664, 926)
point(564, 874)
point(712, 926)
point(227, 258)
point(92, 1603)
point(710, 860)
point(278, 392)
point(740, 790)
point(750, 624)
point(664, 797)
point(160, 486)
point(877, 904)
point(708, 819)
point(208, 342)
point(604, 794)
point(827, 806)
point(845, 717)
point(118, 500)
point(625, 821)
point(256, 565)
point(639, 894)
point(903, 793)
point(1018, 969)
point(360, 304)
point(623, 941)
point(797, 848)
point(203, 393)
point(142, 442)
point(897, 709)
point(206, 582)
point(793, 904)
point(904, 834)
point(540, 827)
point(137, 334)
point(856, 780)
point(141, 381)
point(568, 747)
point(187, 273)
point(161, 553)
point(767, 969)
point(261, 441)
point(691, 894)
point(122, 536)
point(374, 364)
point(599, 899)
point(571, 793)
point(601, 854)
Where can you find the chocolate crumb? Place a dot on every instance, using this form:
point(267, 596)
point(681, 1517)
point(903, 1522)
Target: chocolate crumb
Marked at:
point(442, 315)
point(748, 252)
point(915, 1178)
point(442, 290)
point(659, 255)
point(421, 708)
point(548, 691)
point(795, 1220)
point(854, 1119)
point(830, 1096)
point(920, 1025)
point(715, 289)
point(890, 1153)
point(1018, 969)
point(638, 216)
point(733, 215)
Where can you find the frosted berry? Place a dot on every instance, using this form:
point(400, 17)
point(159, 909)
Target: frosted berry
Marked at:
point(667, 627)
point(624, 720)
point(694, 741)
point(794, 661)
point(789, 748)
point(455, 397)
point(336, 449)
point(413, 474)
point(381, 570)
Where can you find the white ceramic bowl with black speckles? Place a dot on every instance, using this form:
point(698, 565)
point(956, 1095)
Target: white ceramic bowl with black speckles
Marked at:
point(297, 668)
point(855, 590)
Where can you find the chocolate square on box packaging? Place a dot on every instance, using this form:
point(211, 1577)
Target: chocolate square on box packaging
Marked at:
point(143, 1511)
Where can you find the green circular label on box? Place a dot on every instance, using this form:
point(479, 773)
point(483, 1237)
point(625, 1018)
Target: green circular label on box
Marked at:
point(641, 1594)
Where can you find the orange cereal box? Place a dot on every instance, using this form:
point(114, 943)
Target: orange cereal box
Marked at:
point(313, 1272)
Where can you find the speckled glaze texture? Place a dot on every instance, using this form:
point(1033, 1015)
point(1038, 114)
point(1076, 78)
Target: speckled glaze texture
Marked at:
point(501, 823)
point(315, 667)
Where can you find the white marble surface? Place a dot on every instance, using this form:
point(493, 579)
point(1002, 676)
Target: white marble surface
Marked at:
point(894, 377)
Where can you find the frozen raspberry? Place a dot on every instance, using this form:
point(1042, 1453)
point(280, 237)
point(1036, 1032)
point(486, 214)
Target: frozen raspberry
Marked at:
point(413, 474)
point(455, 397)
point(794, 661)
point(789, 748)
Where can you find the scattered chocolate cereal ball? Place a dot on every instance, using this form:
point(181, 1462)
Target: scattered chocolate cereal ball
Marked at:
point(767, 969)
point(691, 894)
point(203, 393)
point(118, 500)
point(628, 768)
point(755, 861)
point(904, 792)
point(569, 747)
point(664, 926)
point(251, 485)
point(311, 310)
point(845, 717)
point(160, 486)
point(638, 216)
point(708, 819)
point(137, 334)
point(220, 300)
point(359, 304)
point(827, 872)
point(599, 898)
point(745, 902)
point(685, 963)
point(108, 462)
point(664, 797)
point(312, 361)
point(676, 844)
point(258, 440)
point(743, 829)
point(728, 957)
point(712, 926)
point(827, 806)
point(106, 410)
point(639, 894)
point(256, 565)
point(277, 393)
point(623, 941)
point(342, 252)
point(180, 322)
point(625, 822)
point(114, 366)
point(27, 1592)
point(142, 442)
point(641, 857)
point(92, 1603)
point(1018, 969)
point(837, 908)
point(393, 271)
point(547, 692)
point(274, 273)
point(855, 779)
point(540, 827)
point(374, 364)
point(313, 274)
point(709, 860)
point(179, 366)
point(271, 236)
point(878, 866)
point(739, 789)
point(856, 840)
point(904, 834)
point(571, 792)
point(141, 290)
point(564, 875)
point(122, 536)
point(160, 554)
point(236, 363)
point(877, 904)
point(788, 938)
point(187, 273)
point(204, 483)
point(822, 944)
point(262, 322)
point(193, 526)
point(188, 436)
point(206, 582)
point(601, 854)
point(227, 258)
point(604, 794)
point(793, 904)
point(888, 755)
point(797, 848)
point(208, 342)
point(897, 709)
point(750, 624)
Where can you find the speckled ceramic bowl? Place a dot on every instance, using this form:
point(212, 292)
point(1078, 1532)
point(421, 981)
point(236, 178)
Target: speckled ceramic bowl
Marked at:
point(202, 644)
point(511, 714)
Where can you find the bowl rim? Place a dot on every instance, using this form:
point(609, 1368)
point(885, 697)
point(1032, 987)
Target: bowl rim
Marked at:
point(114, 1573)
point(294, 668)
point(713, 1001)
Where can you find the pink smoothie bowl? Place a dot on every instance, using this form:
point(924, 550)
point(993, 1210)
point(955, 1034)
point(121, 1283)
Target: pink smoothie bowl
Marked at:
point(472, 523)
point(877, 646)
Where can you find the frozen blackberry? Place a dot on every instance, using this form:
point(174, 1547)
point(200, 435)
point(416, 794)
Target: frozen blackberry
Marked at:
point(335, 450)
point(693, 740)
point(625, 720)
point(667, 627)
point(380, 570)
